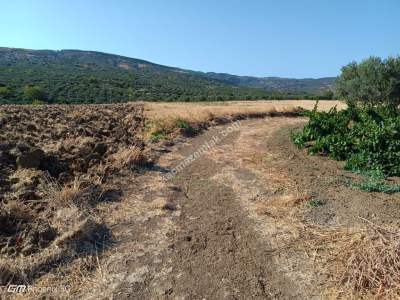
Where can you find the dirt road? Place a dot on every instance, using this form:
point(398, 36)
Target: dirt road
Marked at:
point(227, 226)
point(195, 236)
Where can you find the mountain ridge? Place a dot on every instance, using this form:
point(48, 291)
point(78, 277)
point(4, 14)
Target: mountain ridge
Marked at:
point(62, 74)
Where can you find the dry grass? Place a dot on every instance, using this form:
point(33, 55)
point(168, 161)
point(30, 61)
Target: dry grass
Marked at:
point(166, 125)
point(9, 272)
point(128, 157)
point(16, 211)
point(163, 119)
point(195, 112)
point(358, 262)
point(369, 265)
point(25, 177)
point(61, 196)
point(361, 263)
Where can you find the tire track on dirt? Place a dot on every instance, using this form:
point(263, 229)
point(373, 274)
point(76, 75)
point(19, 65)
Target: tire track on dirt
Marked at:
point(206, 244)
point(217, 254)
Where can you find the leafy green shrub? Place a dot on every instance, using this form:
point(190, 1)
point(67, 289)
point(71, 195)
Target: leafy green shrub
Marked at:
point(325, 131)
point(377, 144)
point(367, 139)
point(367, 134)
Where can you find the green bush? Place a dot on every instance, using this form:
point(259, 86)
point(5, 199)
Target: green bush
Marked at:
point(367, 139)
point(367, 134)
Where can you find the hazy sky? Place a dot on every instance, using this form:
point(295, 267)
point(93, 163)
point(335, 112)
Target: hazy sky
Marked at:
point(297, 38)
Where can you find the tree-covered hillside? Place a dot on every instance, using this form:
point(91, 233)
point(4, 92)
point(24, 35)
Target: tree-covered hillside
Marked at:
point(278, 84)
point(72, 76)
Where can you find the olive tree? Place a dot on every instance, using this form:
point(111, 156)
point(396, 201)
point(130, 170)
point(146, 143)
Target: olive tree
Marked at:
point(372, 82)
point(33, 93)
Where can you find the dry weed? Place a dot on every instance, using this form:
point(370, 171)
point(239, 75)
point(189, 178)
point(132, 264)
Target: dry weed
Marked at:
point(9, 272)
point(18, 212)
point(60, 196)
point(25, 177)
point(360, 262)
point(161, 126)
point(128, 157)
point(369, 265)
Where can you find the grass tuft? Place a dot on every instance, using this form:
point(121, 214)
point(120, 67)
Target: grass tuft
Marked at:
point(315, 202)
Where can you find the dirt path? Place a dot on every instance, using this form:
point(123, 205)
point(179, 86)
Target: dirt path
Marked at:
point(231, 224)
point(220, 252)
point(194, 237)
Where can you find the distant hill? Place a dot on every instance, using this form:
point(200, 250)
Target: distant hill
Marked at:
point(74, 76)
point(285, 85)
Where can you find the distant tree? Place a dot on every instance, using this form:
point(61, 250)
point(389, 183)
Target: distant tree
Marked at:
point(392, 76)
point(130, 94)
point(372, 82)
point(32, 93)
point(327, 95)
point(5, 92)
point(324, 95)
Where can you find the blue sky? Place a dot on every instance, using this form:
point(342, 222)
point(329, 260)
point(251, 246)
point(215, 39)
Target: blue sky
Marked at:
point(297, 38)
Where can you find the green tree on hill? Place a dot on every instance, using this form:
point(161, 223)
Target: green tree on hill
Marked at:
point(373, 82)
point(4, 92)
point(32, 93)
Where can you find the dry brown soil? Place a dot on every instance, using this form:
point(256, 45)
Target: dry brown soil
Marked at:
point(233, 224)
